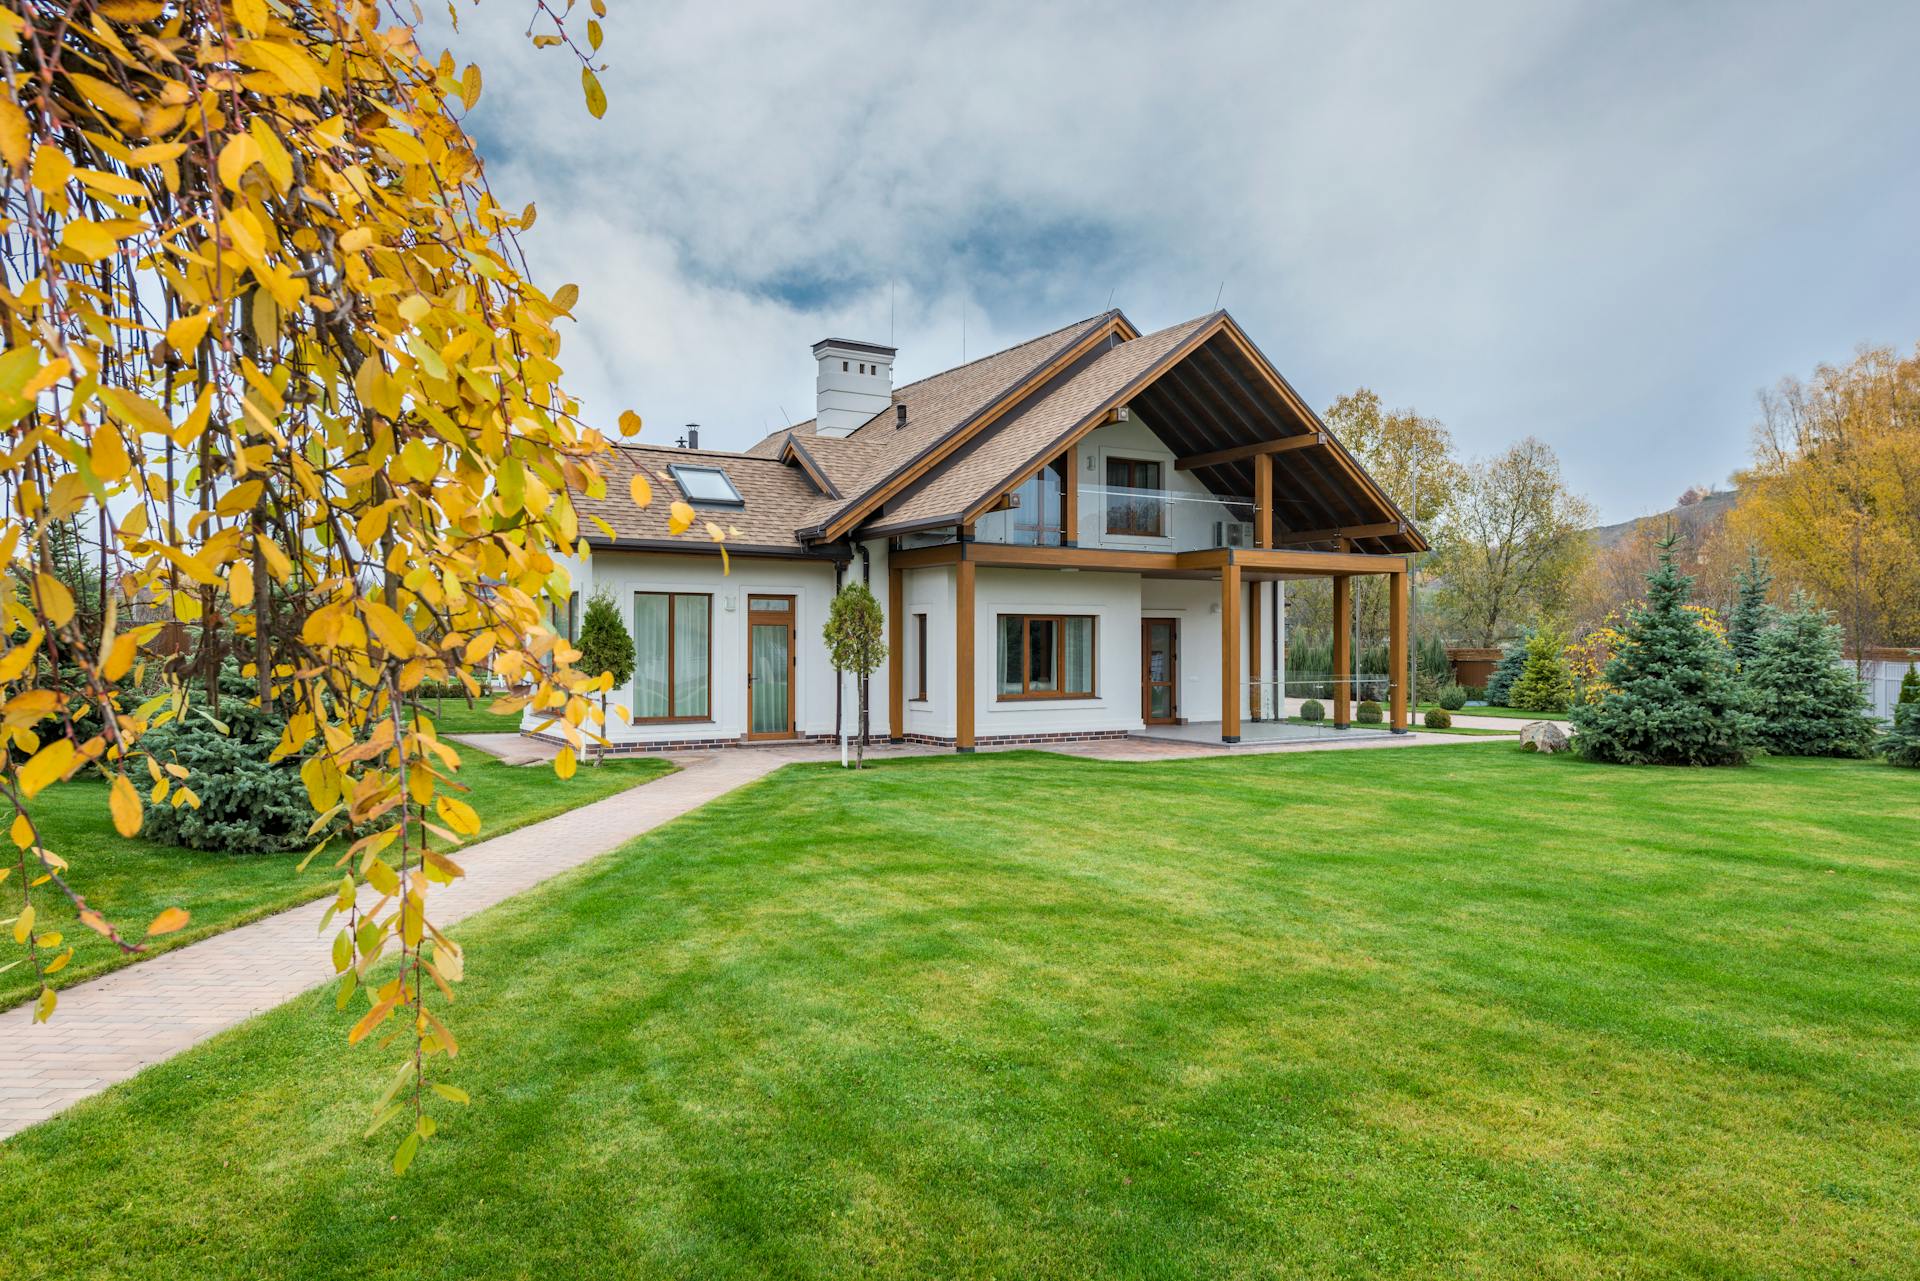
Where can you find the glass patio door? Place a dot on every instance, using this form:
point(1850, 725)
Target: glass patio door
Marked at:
point(1159, 665)
point(770, 665)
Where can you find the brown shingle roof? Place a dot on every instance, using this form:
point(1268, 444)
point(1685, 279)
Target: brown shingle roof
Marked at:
point(1034, 431)
point(778, 498)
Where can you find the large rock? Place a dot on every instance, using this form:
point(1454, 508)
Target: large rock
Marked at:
point(1543, 736)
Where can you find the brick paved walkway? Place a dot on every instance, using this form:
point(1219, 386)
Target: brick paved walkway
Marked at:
point(108, 1029)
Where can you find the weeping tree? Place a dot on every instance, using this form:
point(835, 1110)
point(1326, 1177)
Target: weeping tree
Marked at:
point(856, 642)
point(269, 338)
point(1671, 695)
point(606, 648)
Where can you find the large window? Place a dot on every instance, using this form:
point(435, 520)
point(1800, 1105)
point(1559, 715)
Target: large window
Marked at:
point(1135, 504)
point(1046, 656)
point(673, 656)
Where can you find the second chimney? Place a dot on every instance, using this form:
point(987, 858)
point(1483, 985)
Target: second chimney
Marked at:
point(854, 382)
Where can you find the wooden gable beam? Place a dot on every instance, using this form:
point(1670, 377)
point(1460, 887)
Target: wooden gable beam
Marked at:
point(1284, 445)
point(1382, 529)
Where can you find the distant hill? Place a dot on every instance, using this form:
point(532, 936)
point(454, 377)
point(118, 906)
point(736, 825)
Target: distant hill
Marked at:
point(1703, 510)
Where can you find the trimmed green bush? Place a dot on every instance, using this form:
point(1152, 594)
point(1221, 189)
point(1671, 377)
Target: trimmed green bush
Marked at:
point(1312, 711)
point(1453, 698)
point(1803, 690)
point(1673, 696)
point(1368, 713)
point(1901, 746)
point(1439, 718)
point(248, 805)
point(1545, 685)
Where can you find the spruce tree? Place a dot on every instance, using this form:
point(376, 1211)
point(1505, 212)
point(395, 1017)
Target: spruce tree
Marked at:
point(1544, 684)
point(1909, 686)
point(605, 646)
point(1901, 746)
point(1674, 699)
point(1803, 690)
point(1751, 613)
point(1513, 660)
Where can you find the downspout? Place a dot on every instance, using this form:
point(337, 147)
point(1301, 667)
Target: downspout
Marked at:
point(839, 682)
point(866, 703)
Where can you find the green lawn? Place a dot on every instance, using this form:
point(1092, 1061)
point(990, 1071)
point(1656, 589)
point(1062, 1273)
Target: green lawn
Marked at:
point(455, 717)
point(1505, 713)
point(1431, 1012)
point(133, 880)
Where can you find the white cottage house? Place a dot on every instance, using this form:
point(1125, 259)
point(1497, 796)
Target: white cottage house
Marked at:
point(1081, 536)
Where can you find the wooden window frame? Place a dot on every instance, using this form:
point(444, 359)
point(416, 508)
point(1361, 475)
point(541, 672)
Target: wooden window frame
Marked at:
point(1160, 506)
point(919, 670)
point(670, 718)
point(1027, 694)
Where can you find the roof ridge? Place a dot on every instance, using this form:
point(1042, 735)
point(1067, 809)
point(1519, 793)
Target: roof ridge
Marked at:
point(1025, 342)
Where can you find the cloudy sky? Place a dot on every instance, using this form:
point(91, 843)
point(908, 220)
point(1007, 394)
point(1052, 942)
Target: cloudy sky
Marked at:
point(1607, 225)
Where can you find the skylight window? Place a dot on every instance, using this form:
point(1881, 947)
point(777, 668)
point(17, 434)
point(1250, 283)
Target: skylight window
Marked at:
point(707, 485)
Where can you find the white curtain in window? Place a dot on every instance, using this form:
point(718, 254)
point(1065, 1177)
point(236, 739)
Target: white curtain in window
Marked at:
point(1012, 627)
point(650, 656)
point(1079, 672)
point(690, 655)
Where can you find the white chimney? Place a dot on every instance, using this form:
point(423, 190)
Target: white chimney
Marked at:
point(855, 383)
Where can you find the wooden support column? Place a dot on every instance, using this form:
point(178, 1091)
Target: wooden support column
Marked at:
point(896, 654)
point(1397, 648)
point(1263, 500)
point(1230, 653)
point(963, 664)
point(1342, 651)
point(1253, 650)
point(1071, 505)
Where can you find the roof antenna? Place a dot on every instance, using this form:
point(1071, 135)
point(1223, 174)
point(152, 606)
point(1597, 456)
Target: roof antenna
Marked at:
point(1216, 295)
point(783, 413)
point(889, 313)
point(1110, 298)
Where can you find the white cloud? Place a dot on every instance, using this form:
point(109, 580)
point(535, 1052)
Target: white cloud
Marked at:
point(1598, 224)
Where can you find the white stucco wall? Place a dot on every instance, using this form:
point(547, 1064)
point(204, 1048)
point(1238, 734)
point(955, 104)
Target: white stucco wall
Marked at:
point(810, 583)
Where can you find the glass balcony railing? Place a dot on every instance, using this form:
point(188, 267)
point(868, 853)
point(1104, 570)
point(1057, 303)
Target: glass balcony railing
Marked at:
point(1121, 517)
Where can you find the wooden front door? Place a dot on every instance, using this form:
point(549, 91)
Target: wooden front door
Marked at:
point(770, 667)
point(1159, 670)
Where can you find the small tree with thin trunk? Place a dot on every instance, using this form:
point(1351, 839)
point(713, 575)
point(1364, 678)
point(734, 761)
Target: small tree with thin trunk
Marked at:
point(606, 647)
point(856, 642)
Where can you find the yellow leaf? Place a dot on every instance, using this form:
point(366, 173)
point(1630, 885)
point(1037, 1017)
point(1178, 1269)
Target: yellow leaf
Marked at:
point(24, 925)
point(642, 491)
point(273, 155)
point(120, 656)
point(452, 1093)
point(564, 298)
point(22, 831)
point(458, 814)
point(174, 918)
point(56, 602)
point(106, 98)
point(596, 96)
point(294, 68)
point(420, 460)
point(403, 146)
point(679, 518)
point(240, 152)
point(371, 1020)
point(342, 952)
point(392, 630)
point(43, 1008)
point(184, 334)
point(109, 454)
point(16, 139)
point(96, 240)
point(356, 240)
point(382, 877)
point(252, 15)
point(564, 763)
point(48, 764)
point(240, 583)
point(470, 86)
point(58, 963)
point(125, 804)
point(629, 423)
point(403, 1156)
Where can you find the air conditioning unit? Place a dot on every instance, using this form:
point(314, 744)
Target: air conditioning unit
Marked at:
point(1232, 533)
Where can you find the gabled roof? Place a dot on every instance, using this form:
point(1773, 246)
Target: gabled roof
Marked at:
point(976, 431)
point(778, 499)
